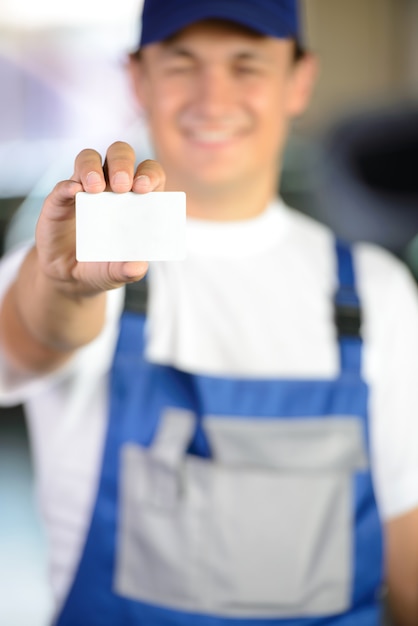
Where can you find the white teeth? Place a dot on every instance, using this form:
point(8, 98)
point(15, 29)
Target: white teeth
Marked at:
point(212, 136)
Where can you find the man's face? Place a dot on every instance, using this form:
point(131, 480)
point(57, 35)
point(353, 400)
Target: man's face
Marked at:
point(218, 100)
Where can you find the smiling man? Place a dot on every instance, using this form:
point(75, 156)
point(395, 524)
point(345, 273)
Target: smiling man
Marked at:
point(243, 449)
point(219, 98)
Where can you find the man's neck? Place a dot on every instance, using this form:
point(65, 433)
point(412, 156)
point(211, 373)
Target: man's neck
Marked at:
point(228, 203)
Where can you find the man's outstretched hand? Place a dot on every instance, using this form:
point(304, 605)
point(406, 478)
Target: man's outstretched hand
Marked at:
point(55, 233)
point(56, 304)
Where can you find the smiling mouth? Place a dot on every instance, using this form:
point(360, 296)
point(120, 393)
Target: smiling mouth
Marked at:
point(212, 137)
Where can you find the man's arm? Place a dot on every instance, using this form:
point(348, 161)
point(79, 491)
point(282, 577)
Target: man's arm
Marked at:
point(56, 304)
point(402, 568)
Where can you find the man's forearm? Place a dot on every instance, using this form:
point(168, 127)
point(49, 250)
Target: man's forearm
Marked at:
point(41, 324)
point(402, 568)
point(403, 612)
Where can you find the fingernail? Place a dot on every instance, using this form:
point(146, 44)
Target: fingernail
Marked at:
point(121, 178)
point(143, 180)
point(93, 178)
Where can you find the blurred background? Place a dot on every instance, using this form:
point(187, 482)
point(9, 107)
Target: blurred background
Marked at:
point(351, 162)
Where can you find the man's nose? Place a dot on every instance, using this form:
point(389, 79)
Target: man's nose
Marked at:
point(215, 91)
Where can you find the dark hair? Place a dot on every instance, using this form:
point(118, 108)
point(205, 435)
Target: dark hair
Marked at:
point(298, 52)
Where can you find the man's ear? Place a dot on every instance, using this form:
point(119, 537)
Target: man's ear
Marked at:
point(304, 77)
point(135, 71)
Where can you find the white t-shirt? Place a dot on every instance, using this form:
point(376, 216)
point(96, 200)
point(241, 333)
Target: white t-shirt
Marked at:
point(253, 298)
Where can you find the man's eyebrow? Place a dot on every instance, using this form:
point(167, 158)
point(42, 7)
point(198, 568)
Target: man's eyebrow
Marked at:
point(171, 47)
point(174, 48)
point(247, 55)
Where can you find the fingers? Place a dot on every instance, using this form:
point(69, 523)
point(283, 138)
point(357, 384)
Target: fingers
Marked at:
point(88, 171)
point(118, 173)
point(119, 167)
point(59, 204)
point(149, 176)
point(97, 277)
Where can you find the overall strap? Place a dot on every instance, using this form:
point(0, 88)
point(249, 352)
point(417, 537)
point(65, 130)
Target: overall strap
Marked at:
point(347, 311)
point(136, 297)
point(347, 308)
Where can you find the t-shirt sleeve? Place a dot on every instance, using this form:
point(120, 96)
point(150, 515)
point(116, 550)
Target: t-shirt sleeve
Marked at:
point(16, 387)
point(390, 299)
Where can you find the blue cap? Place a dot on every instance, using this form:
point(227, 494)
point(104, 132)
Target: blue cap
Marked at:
point(274, 18)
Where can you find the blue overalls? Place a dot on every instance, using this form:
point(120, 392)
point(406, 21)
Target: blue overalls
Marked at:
point(232, 502)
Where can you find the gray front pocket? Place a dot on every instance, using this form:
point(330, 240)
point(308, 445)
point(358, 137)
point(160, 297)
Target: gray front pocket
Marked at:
point(252, 534)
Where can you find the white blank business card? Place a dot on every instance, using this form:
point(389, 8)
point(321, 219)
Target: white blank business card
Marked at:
point(131, 226)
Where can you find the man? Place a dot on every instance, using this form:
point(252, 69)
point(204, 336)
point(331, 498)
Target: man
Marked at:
point(217, 468)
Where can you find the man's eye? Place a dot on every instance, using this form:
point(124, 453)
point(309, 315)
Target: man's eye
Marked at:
point(246, 69)
point(179, 68)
